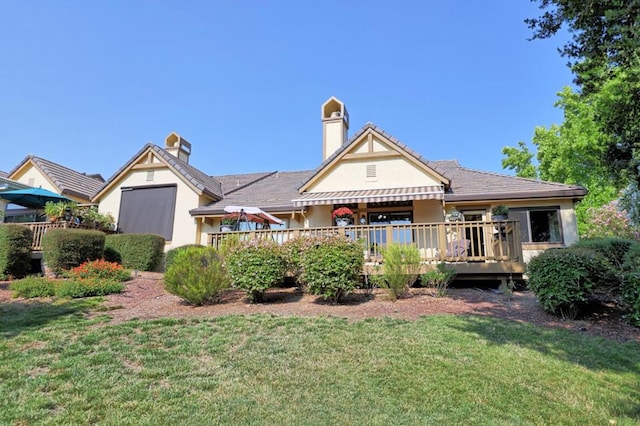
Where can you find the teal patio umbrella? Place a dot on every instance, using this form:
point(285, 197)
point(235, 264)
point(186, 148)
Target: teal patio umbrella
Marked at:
point(34, 198)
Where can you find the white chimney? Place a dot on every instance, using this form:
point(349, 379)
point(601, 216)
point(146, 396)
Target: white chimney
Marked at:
point(335, 126)
point(175, 145)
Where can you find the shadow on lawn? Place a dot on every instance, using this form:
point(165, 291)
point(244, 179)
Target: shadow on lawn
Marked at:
point(23, 315)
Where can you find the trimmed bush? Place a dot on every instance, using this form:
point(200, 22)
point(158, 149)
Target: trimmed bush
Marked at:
point(613, 249)
point(142, 252)
point(332, 266)
point(400, 269)
point(64, 249)
point(292, 251)
point(197, 275)
point(75, 288)
point(33, 287)
point(15, 251)
point(254, 266)
point(563, 279)
point(439, 278)
point(171, 254)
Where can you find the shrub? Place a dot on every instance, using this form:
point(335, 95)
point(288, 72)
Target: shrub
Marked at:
point(67, 248)
point(613, 249)
point(197, 275)
point(401, 267)
point(254, 266)
point(562, 279)
point(292, 252)
point(609, 221)
point(171, 254)
point(331, 267)
point(75, 288)
point(99, 269)
point(438, 278)
point(33, 287)
point(142, 252)
point(630, 291)
point(15, 251)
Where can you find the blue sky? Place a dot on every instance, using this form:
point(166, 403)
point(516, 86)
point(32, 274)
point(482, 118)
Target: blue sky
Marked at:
point(87, 84)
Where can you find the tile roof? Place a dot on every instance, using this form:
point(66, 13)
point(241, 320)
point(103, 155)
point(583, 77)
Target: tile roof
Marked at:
point(473, 185)
point(68, 181)
point(271, 192)
point(207, 184)
point(3, 174)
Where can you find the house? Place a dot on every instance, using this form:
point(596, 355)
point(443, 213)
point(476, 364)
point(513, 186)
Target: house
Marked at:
point(395, 193)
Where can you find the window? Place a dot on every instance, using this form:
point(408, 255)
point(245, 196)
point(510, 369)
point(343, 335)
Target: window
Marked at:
point(402, 236)
point(148, 210)
point(539, 224)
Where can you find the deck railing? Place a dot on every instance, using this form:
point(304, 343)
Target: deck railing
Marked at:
point(451, 241)
point(40, 228)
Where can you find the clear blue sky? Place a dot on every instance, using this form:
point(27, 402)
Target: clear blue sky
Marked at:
point(87, 83)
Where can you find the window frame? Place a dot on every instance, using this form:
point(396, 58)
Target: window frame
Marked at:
point(525, 226)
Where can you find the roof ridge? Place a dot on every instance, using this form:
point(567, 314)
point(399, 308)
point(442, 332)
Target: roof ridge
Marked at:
point(249, 183)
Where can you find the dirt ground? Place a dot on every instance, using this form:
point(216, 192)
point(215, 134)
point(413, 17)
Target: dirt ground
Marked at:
point(145, 298)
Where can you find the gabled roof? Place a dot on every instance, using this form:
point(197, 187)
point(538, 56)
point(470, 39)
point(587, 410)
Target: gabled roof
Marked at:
point(3, 174)
point(201, 182)
point(475, 185)
point(11, 184)
point(66, 180)
point(370, 127)
point(272, 192)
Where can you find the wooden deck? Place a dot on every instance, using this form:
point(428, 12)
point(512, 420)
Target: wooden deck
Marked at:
point(474, 249)
point(40, 228)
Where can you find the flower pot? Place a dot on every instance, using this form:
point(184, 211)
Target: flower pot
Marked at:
point(226, 228)
point(498, 217)
point(342, 221)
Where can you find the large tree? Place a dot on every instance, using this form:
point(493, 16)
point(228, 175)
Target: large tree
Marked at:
point(570, 152)
point(605, 35)
point(604, 54)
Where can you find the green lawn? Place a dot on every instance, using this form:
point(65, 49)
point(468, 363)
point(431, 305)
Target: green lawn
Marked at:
point(56, 367)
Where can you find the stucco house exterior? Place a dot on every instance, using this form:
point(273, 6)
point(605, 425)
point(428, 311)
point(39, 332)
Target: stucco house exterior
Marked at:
point(381, 179)
point(395, 193)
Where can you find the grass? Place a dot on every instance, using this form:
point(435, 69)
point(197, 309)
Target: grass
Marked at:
point(58, 367)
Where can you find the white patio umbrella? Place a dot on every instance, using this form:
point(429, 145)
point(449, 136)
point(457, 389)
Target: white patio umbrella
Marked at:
point(253, 214)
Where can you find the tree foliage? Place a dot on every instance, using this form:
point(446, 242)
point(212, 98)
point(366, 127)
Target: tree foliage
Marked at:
point(604, 35)
point(604, 54)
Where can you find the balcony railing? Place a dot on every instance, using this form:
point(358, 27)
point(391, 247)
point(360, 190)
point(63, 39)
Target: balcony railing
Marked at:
point(450, 242)
point(40, 228)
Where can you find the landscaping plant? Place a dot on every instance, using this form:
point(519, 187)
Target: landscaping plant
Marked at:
point(30, 287)
point(254, 266)
point(438, 278)
point(400, 269)
point(331, 267)
point(64, 249)
point(15, 251)
point(563, 279)
point(99, 269)
point(197, 275)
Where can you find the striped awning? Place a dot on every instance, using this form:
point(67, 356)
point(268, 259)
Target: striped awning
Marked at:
point(370, 196)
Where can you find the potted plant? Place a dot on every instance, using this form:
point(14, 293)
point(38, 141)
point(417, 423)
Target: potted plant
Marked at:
point(227, 223)
point(58, 210)
point(500, 212)
point(453, 215)
point(343, 216)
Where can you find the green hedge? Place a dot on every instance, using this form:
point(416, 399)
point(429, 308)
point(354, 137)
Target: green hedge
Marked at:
point(171, 254)
point(15, 251)
point(63, 249)
point(142, 252)
point(613, 249)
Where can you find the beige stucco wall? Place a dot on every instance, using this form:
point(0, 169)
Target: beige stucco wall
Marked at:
point(39, 179)
point(391, 173)
point(184, 226)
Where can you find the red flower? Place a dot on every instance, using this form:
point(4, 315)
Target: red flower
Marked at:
point(343, 212)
